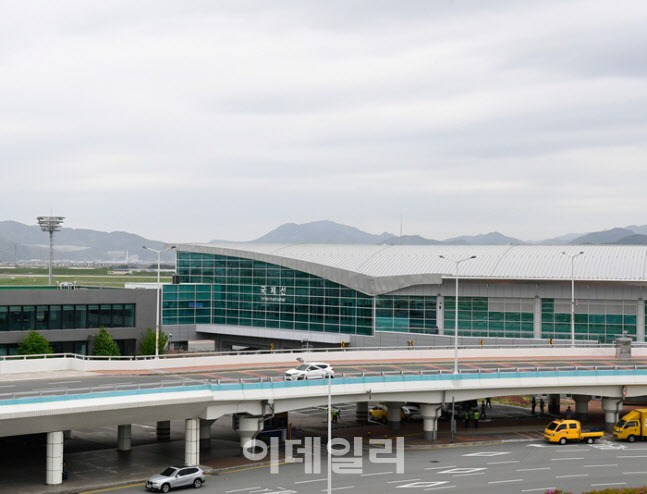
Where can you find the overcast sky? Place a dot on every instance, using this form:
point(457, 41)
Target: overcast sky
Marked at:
point(199, 120)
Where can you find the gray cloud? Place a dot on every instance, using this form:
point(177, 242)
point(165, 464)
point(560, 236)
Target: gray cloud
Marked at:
point(198, 120)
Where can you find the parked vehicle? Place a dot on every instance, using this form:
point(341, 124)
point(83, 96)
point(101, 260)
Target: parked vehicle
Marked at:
point(380, 413)
point(310, 370)
point(560, 431)
point(174, 477)
point(632, 426)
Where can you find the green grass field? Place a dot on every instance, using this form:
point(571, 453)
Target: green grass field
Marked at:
point(95, 277)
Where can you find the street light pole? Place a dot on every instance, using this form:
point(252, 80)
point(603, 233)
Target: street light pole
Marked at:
point(157, 305)
point(457, 262)
point(573, 256)
point(329, 489)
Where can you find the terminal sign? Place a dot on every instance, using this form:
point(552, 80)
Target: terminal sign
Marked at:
point(273, 293)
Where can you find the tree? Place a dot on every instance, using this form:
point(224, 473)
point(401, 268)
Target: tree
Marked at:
point(148, 342)
point(34, 344)
point(104, 345)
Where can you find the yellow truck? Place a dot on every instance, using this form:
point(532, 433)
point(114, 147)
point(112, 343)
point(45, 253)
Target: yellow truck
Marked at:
point(632, 426)
point(560, 431)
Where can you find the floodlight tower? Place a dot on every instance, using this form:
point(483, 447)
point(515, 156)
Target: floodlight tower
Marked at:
point(50, 224)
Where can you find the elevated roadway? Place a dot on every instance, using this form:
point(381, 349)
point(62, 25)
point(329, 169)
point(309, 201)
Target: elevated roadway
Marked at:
point(208, 392)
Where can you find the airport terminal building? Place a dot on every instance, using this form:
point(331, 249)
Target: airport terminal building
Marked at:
point(287, 296)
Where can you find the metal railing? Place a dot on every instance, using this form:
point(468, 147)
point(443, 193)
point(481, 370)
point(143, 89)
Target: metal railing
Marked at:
point(187, 384)
point(292, 351)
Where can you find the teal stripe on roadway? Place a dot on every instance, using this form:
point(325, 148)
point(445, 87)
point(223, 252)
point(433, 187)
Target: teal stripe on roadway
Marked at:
point(237, 386)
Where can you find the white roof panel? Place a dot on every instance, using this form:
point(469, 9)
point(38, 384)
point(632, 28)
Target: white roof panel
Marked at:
point(519, 262)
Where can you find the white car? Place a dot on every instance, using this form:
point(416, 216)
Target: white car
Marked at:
point(310, 370)
point(411, 413)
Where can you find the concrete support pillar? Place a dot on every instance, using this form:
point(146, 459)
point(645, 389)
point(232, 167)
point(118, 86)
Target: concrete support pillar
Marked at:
point(361, 412)
point(640, 321)
point(430, 414)
point(205, 433)
point(581, 406)
point(395, 414)
point(553, 404)
point(164, 430)
point(124, 435)
point(192, 441)
point(440, 313)
point(248, 427)
point(536, 319)
point(611, 407)
point(54, 458)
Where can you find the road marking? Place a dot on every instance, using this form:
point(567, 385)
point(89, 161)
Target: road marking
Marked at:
point(633, 473)
point(502, 462)
point(377, 473)
point(630, 456)
point(443, 487)
point(419, 485)
point(505, 481)
point(69, 382)
point(8, 386)
point(603, 465)
point(532, 469)
point(247, 489)
point(463, 470)
point(308, 481)
point(489, 453)
point(562, 459)
point(612, 483)
point(468, 474)
point(571, 476)
point(398, 481)
point(440, 468)
point(540, 489)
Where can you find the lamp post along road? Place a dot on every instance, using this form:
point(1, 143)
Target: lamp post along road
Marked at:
point(457, 262)
point(573, 256)
point(157, 304)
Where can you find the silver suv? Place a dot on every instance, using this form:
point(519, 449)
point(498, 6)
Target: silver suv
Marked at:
point(174, 477)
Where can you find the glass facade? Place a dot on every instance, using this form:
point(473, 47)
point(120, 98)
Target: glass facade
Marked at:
point(26, 317)
point(406, 314)
point(217, 289)
point(242, 292)
point(599, 320)
point(494, 318)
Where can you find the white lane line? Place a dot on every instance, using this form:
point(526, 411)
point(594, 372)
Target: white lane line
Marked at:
point(399, 481)
point(308, 481)
point(532, 469)
point(632, 456)
point(604, 465)
point(571, 476)
point(633, 473)
point(540, 489)
point(377, 473)
point(562, 459)
point(468, 474)
point(65, 382)
point(438, 488)
point(8, 386)
point(613, 483)
point(439, 468)
point(505, 481)
point(247, 489)
point(501, 462)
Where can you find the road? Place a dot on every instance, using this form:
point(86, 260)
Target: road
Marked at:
point(10, 385)
point(504, 468)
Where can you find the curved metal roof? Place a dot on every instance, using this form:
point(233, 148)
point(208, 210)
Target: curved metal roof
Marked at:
point(390, 266)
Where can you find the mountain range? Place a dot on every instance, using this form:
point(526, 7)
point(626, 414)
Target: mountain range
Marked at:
point(23, 242)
